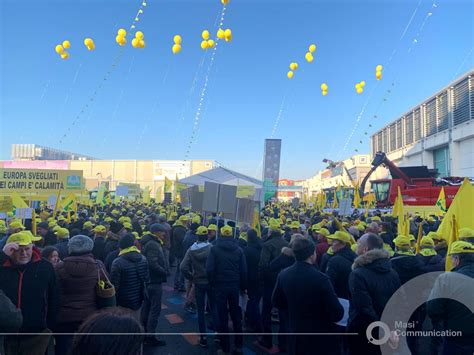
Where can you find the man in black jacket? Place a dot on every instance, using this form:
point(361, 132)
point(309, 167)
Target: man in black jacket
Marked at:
point(227, 273)
point(30, 283)
point(312, 305)
point(252, 257)
point(129, 274)
point(372, 282)
point(99, 242)
point(339, 266)
point(159, 269)
point(49, 237)
point(271, 249)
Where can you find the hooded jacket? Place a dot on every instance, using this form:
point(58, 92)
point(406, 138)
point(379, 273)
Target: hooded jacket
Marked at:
point(372, 282)
point(226, 264)
point(193, 265)
point(34, 289)
point(129, 275)
point(157, 263)
point(407, 267)
point(78, 277)
point(338, 269)
point(271, 249)
point(177, 237)
point(432, 263)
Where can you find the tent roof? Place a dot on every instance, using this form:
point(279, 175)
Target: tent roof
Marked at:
point(221, 175)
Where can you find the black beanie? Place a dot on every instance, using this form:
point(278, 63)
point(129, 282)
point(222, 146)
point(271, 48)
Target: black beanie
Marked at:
point(303, 249)
point(127, 241)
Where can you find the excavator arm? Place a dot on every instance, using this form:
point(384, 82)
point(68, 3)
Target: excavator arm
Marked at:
point(381, 159)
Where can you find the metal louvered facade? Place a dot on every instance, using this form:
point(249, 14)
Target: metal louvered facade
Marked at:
point(450, 107)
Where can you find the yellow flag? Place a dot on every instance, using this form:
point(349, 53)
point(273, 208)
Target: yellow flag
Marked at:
point(168, 185)
point(334, 201)
point(69, 202)
point(462, 208)
point(100, 198)
point(418, 239)
point(146, 195)
point(356, 197)
point(17, 201)
point(452, 238)
point(397, 210)
point(441, 202)
point(158, 197)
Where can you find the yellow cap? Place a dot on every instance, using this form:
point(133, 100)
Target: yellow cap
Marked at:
point(55, 228)
point(184, 218)
point(125, 219)
point(434, 236)
point(21, 238)
point(201, 230)
point(108, 219)
point(212, 227)
point(51, 224)
point(17, 225)
point(295, 225)
point(466, 233)
point(324, 232)
point(375, 218)
point(461, 247)
point(412, 237)
point(274, 224)
point(127, 225)
point(402, 241)
point(100, 229)
point(61, 218)
point(62, 232)
point(196, 219)
point(316, 227)
point(227, 231)
point(341, 236)
point(87, 225)
point(427, 242)
point(136, 235)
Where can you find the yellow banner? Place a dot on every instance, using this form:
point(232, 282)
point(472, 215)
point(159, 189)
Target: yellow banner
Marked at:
point(40, 181)
point(245, 191)
point(6, 204)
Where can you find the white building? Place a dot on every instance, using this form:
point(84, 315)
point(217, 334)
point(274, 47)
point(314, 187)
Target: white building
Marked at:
point(340, 173)
point(438, 133)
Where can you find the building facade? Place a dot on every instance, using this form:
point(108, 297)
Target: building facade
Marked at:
point(346, 172)
point(438, 133)
point(39, 152)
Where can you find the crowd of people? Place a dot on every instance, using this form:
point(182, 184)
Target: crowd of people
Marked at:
point(102, 271)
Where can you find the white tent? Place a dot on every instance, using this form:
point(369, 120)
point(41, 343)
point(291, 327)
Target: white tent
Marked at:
point(221, 175)
point(224, 176)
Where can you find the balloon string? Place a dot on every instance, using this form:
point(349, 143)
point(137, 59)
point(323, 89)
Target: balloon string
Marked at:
point(462, 63)
point(197, 116)
point(115, 63)
point(387, 65)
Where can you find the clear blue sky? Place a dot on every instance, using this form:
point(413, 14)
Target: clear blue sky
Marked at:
point(146, 109)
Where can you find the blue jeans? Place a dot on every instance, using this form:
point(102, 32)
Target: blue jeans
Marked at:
point(201, 290)
point(151, 308)
point(229, 296)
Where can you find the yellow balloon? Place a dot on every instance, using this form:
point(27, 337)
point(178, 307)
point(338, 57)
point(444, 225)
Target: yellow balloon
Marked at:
point(122, 32)
point(378, 75)
point(362, 83)
point(88, 41)
point(176, 48)
point(324, 86)
point(91, 47)
point(211, 43)
point(59, 49)
point(135, 42)
point(312, 48)
point(220, 33)
point(141, 43)
point(290, 74)
point(139, 35)
point(360, 90)
point(144, 3)
point(66, 44)
point(204, 45)
point(225, 2)
point(228, 33)
point(228, 38)
point(177, 39)
point(122, 42)
point(64, 55)
point(293, 66)
point(324, 92)
point(378, 68)
point(205, 35)
point(358, 86)
point(137, 19)
point(309, 57)
point(119, 38)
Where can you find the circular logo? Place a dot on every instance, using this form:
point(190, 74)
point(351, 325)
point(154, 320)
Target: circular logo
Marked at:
point(386, 333)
